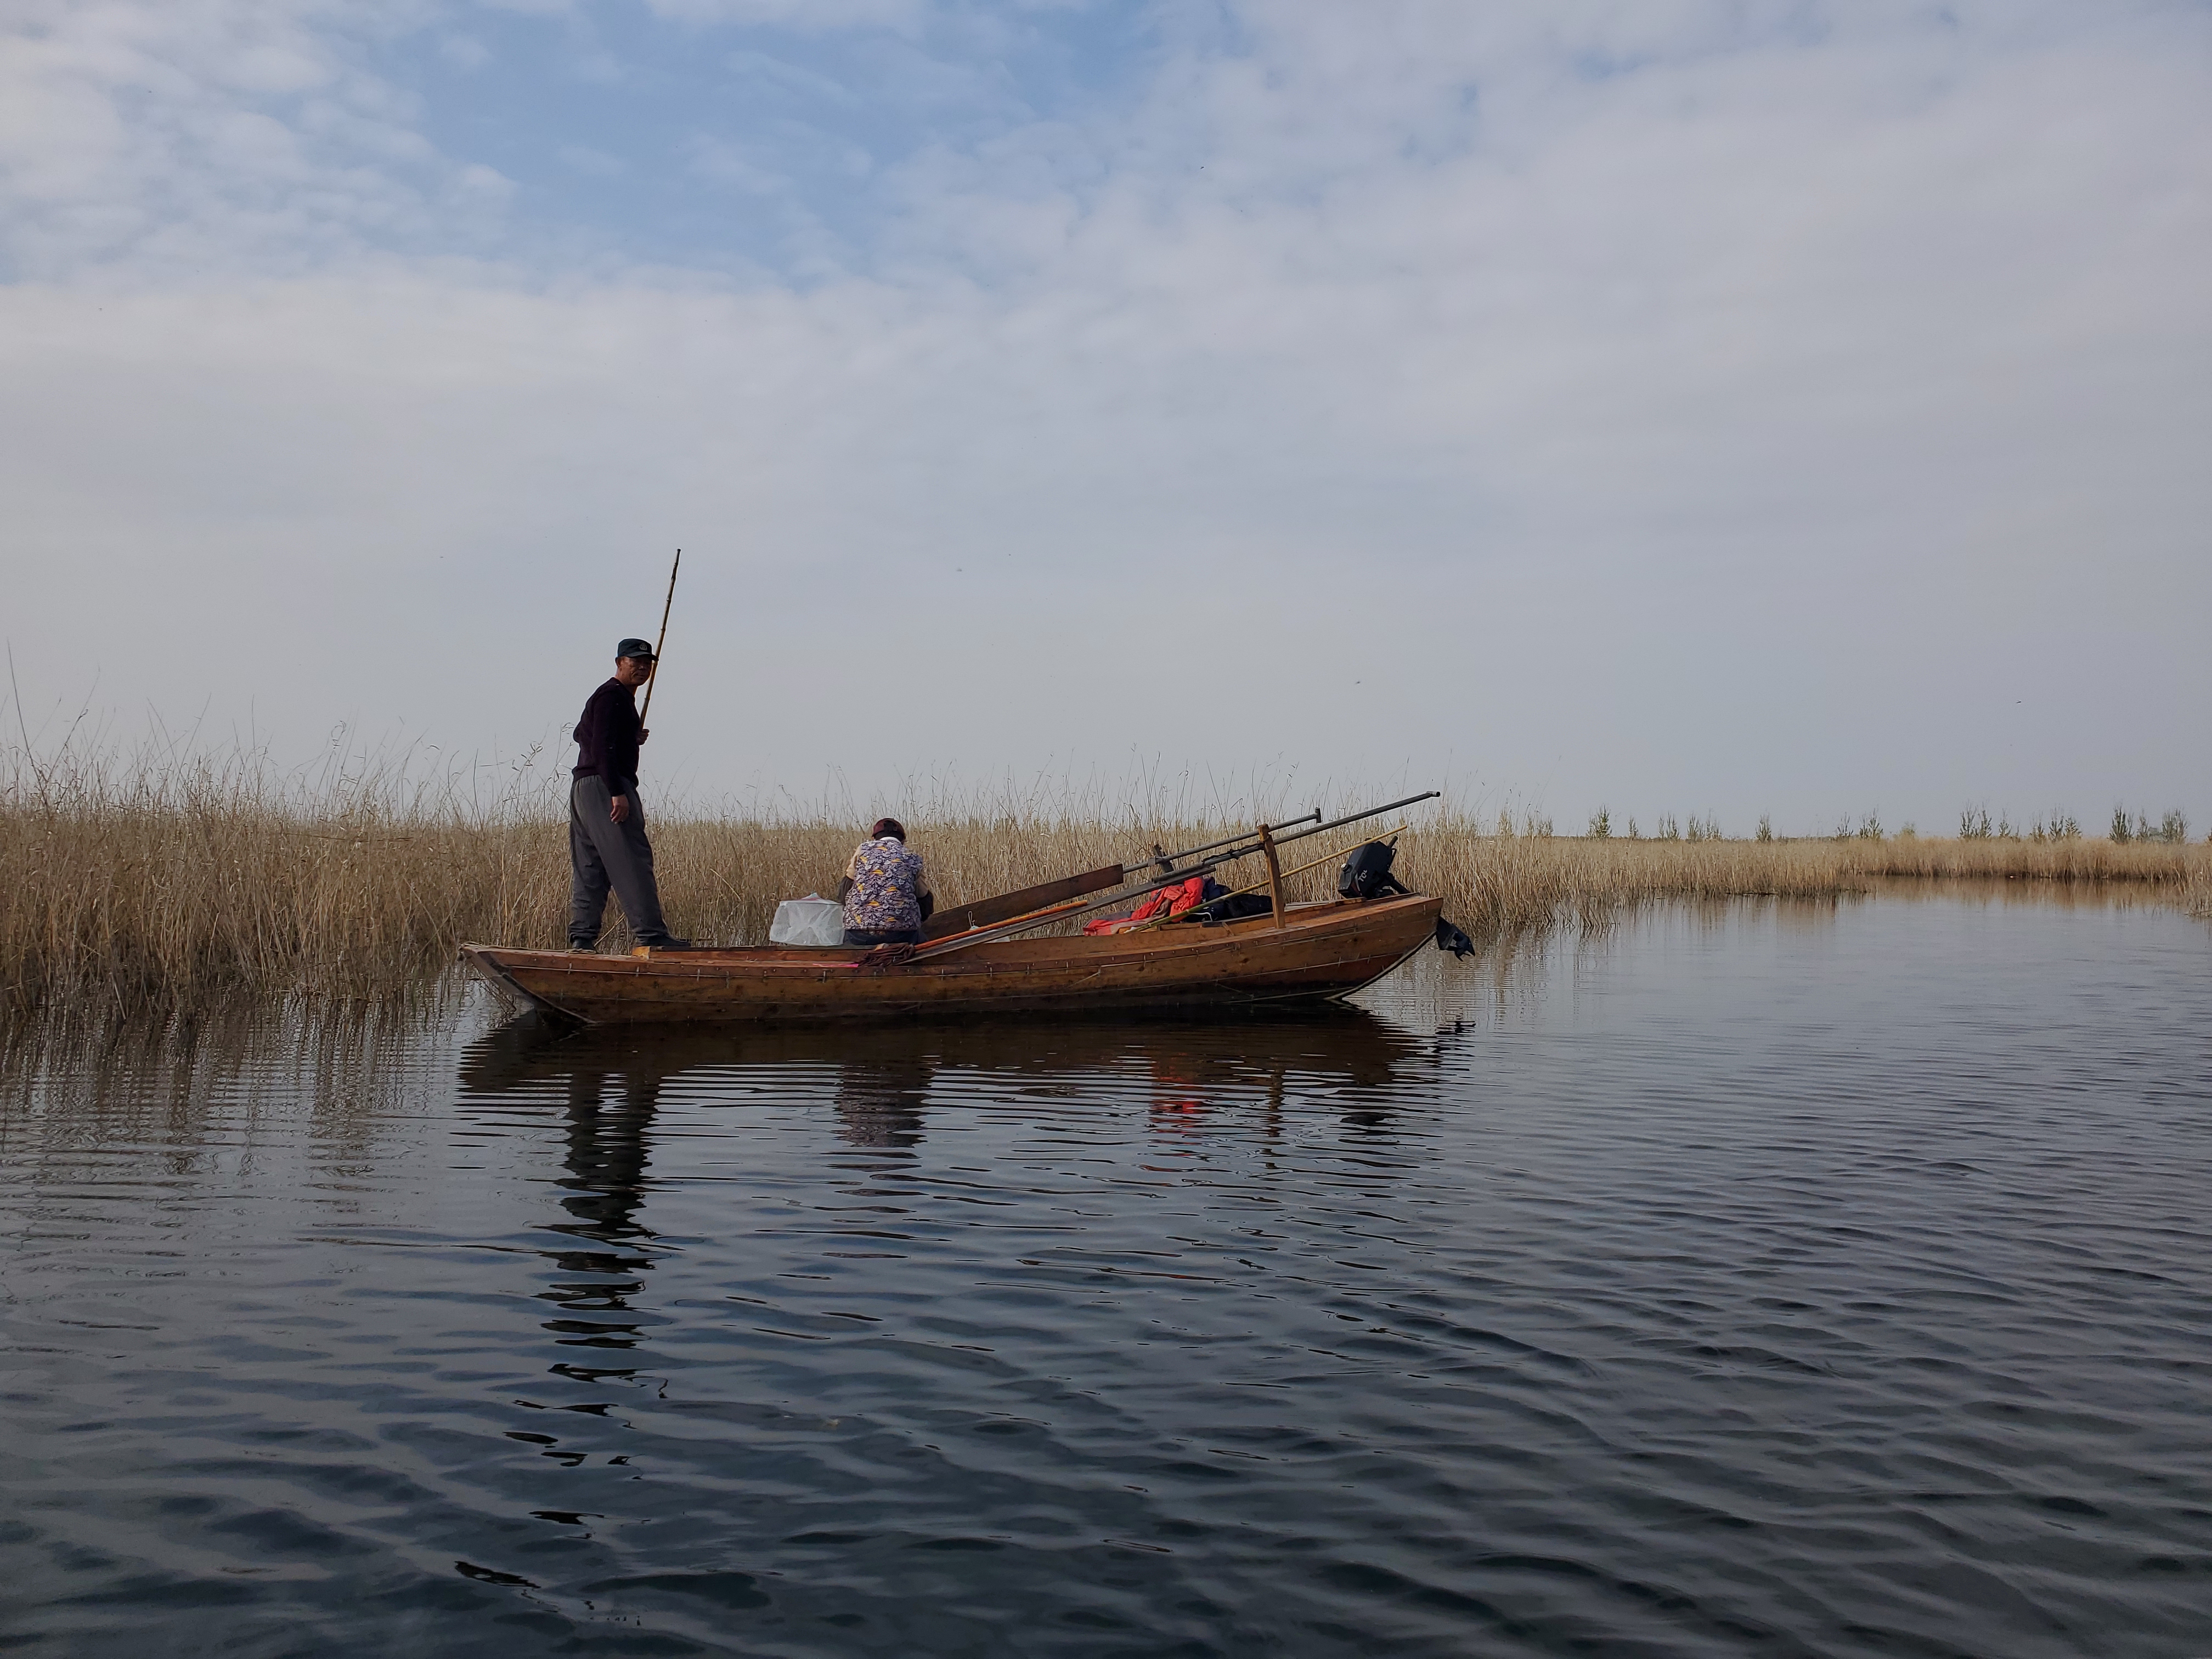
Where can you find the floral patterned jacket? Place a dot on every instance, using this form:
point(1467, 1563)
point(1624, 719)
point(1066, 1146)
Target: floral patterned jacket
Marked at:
point(887, 886)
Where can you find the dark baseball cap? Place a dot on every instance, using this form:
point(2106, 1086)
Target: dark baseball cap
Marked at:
point(636, 648)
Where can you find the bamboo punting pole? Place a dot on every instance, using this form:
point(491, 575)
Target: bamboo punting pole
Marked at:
point(666, 606)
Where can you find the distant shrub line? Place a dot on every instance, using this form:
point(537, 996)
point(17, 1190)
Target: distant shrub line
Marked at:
point(1974, 825)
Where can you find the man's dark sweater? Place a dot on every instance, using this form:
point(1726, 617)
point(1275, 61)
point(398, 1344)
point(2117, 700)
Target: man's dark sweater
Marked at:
point(606, 737)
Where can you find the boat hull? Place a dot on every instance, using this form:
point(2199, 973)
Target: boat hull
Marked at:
point(1319, 951)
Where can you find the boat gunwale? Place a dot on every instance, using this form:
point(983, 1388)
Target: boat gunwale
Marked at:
point(1072, 950)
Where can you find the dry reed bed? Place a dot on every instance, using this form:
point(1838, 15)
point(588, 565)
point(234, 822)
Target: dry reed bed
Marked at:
point(160, 899)
point(128, 903)
point(2196, 896)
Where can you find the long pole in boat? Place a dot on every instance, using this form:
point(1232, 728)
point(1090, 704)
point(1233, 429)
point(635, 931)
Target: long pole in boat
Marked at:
point(1314, 827)
point(1354, 818)
point(1051, 911)
point(1164, 862)
point(665, 608)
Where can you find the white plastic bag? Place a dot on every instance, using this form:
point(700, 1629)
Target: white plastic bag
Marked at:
point(809, 920)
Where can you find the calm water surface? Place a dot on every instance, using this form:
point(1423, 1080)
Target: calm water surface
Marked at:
point(1768, 1282)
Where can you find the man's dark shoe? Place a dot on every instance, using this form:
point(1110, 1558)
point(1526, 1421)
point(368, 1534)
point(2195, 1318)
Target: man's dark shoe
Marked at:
point(669, 944)
point(583, 949)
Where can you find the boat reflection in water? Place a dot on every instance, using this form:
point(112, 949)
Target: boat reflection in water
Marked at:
point(882, 1075)
point(882, 1086)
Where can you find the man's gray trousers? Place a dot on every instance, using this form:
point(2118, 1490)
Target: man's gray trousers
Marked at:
point(604, 853)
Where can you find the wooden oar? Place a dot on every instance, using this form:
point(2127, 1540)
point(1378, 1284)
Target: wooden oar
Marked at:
point(1013, 925)
point(981, 935)
point(988, 912)
point(1007, 906)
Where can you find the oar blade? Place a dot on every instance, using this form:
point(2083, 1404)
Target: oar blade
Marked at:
point(983, 912)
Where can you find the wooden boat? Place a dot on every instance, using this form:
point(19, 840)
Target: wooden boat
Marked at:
point(1308, 952)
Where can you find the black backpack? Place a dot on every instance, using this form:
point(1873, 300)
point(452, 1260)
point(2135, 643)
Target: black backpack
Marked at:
point(1366, 874)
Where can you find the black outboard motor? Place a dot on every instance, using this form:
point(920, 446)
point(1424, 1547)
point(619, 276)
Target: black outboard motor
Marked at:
point(1366, 874)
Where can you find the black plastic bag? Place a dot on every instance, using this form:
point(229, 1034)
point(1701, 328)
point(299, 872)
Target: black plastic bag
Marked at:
point(1366, 874)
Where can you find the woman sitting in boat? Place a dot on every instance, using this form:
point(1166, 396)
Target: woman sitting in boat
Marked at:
point(886, 897)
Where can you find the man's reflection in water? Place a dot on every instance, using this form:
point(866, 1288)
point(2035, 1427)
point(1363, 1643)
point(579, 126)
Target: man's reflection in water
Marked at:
point(610, 1086)
point(603, 1190)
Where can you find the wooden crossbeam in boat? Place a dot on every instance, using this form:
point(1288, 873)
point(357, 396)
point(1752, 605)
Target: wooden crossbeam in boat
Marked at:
point(1004, 907)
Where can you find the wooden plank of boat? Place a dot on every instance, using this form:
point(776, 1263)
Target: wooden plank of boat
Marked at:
point(1317, 951)
point(1006, 906)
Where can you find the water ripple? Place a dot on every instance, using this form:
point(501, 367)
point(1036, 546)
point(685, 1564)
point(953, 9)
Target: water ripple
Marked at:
point(1784, 1287)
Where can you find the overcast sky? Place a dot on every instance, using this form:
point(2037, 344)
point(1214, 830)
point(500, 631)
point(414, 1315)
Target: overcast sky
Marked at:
point(1691, 405)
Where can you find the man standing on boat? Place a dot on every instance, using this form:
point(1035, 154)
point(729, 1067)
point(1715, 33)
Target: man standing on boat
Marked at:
point(607, 845)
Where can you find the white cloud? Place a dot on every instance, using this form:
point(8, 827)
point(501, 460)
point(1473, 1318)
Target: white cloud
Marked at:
point(206, 134)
